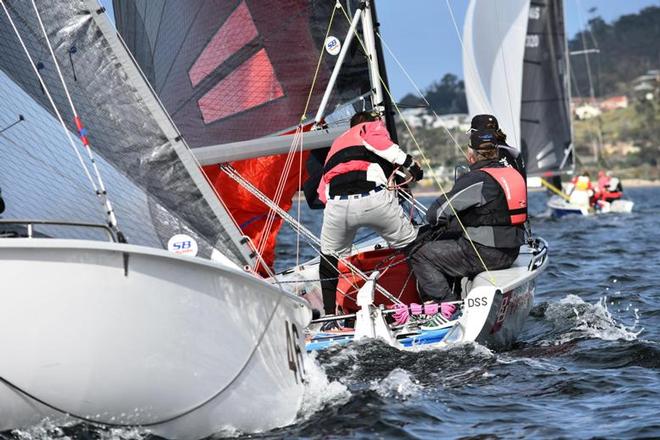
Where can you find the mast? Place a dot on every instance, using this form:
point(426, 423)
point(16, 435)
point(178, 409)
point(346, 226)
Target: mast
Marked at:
point(386, 98)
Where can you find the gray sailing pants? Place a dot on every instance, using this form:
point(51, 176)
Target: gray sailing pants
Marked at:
point(435, 262)
point(341, 220)
point(380, 211)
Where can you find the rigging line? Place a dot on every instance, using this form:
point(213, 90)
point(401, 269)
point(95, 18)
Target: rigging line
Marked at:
point(300, 165)
point(112, 219)
point(428, 165)
point(506, 81)
point(270, 218)
point(231, 172)
point(421, 95)
point(279, 192)
point(599, 133)
point(460, 40)
point(318, 64)
point(50, 98)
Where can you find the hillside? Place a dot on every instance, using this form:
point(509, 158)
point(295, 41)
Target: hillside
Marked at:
point(629, 47)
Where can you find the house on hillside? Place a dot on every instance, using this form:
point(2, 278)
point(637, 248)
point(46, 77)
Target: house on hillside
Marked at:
point(647, 86)
point(613, 103)
point(587, 111)
point(453, 121)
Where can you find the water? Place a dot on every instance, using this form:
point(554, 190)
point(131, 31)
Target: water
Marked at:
point(587, 364)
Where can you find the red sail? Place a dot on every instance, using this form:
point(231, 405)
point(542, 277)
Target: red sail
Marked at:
point(249, 212)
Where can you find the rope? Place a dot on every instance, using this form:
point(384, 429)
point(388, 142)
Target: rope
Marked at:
point(297, 141)
point(428, 164)
point(112, 219)
point(232, 173)
point(421, 95)
point(506, 78)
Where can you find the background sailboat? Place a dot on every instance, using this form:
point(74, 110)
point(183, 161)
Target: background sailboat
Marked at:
point(516, 67)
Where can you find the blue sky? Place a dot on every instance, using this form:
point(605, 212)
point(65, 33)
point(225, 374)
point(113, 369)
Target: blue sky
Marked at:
point(423, 38)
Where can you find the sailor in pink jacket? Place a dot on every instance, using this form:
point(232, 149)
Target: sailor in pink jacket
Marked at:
point(354, 190)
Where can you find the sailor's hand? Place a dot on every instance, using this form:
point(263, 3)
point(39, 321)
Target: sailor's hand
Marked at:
point(416, 172)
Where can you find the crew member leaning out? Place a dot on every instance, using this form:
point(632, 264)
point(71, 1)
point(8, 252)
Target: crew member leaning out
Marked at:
point(491, 202)
point(354, 190)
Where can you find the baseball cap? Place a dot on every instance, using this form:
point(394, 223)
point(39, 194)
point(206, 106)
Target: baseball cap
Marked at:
point(483, 140)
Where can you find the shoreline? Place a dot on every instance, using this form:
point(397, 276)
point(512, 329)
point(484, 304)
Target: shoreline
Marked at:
point(627, 183)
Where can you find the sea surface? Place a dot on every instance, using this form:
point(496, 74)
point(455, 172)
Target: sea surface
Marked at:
point(586, 366)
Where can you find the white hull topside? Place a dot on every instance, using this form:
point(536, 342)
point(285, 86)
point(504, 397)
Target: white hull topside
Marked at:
point(127, 335)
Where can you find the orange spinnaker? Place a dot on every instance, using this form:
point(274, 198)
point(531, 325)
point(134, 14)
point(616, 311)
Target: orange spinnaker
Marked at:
point(248, 211)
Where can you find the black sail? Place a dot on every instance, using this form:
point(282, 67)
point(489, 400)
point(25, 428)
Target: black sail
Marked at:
point(545, 111)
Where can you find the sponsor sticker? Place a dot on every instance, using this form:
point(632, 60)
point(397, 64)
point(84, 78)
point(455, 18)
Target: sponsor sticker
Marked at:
point(182, 244)
point(332, 45)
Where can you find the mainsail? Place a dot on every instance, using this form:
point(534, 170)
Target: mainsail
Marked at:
point(146, 162)
point(516, 67)
point(232, 72)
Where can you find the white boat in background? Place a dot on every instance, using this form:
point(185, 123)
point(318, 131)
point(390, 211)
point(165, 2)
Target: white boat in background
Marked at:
point(99, 330)
point(560, 207)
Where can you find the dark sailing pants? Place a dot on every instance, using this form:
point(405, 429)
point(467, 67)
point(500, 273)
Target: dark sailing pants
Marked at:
point(435, 262)
point(328, 273)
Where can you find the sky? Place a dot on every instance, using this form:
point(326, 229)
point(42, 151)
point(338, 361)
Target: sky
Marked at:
point(423, 38)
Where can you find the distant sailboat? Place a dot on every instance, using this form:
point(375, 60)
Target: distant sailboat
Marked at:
point(515, 64)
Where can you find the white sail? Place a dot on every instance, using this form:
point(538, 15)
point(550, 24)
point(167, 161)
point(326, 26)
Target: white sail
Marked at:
point(493, 50)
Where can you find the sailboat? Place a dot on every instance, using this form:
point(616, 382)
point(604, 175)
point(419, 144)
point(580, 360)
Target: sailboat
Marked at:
point(519, 71)
point(126, 298)
point(207, 83)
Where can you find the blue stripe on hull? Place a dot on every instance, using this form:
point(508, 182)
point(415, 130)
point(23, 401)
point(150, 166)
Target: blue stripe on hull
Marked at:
point(321, 341)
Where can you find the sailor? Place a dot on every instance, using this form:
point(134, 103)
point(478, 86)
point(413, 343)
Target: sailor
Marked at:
point(354, 190)
point(508, 155)
point(491, 203)
point(582, 192)
point(609, 187)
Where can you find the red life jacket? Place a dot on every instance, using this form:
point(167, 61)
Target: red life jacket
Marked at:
point(515, 191)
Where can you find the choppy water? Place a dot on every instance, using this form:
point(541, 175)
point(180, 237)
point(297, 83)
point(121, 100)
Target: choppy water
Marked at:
point(586, 366)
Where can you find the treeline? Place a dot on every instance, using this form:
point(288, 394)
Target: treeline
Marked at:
point(628, 48)
point(445, 97)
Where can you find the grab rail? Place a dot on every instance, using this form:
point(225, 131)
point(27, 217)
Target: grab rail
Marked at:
point(540, 253)
point(29, 225)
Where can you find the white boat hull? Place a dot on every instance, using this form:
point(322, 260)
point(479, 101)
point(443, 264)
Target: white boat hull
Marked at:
point(495, 306)
point(560, 207)
point(126, 335)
